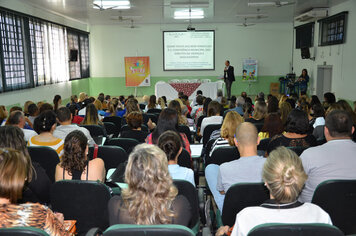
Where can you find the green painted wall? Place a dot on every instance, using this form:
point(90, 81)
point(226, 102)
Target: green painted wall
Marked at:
point(115, 86)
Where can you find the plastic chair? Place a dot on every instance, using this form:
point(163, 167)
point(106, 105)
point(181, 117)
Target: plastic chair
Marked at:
point(144, 230)
point(126, 128)
point(242, 195)
point(126, 143)
point(186, 189)
point(258, 126)
point(184, 159)
point(111, 155)
point(142, 106)
point(338, 198)
point(153, 117)
point(275, 229)
point(84, 201)
point(185, 129)
point(111, 129)
point(114, 119)
point(207, 132)
point(224, 154)
point(46, 157)
point(95, 130)
point(22, 231)
point(154, 111)
point(263, 144)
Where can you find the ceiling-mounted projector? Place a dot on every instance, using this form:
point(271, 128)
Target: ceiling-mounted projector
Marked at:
point(190, 28)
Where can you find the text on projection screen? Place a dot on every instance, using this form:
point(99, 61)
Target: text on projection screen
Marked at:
point(189, 50)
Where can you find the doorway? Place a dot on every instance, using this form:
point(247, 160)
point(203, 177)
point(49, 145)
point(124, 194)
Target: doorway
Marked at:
point(323, 82)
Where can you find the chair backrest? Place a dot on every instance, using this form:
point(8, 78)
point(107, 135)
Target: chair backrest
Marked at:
point(148, 230)
point(114, 119)
point(111, 155)
point(258, 126)
point(95, 130)
point(142, 106)
point(224, 154)
point(111, 129)
point(338, 199)
point(186, 189)
point(206, 151)
point(22, 231)
point(208, 130)
point(184, 159)
point(153, 117)
point(298, 149)
point(275, 229)
point(126, 143)
point(185, 129)
point(84, 201)
point(242, 195)
point(46, 157)
point(154, 111)
point(263, 144)
point(126, 128)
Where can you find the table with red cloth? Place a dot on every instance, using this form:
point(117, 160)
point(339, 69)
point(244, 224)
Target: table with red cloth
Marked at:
point(170, 90)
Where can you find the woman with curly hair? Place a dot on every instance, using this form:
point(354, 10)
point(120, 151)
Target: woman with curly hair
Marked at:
point(151, 198)
point(75, 164)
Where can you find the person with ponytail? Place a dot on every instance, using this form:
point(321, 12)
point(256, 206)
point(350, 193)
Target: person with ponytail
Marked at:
point(284, 176)
point(57, 102)
point(171, 144)
point(44, 125)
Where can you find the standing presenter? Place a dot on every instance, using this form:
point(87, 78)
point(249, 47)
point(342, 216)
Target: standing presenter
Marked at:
point(229, 77)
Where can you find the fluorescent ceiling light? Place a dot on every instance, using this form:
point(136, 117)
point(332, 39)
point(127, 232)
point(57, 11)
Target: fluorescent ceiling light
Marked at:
point(105, 4)
point(189, 14)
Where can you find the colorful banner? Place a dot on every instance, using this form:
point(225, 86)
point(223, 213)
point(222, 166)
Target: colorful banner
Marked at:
point(249, 70)
point(137, 71)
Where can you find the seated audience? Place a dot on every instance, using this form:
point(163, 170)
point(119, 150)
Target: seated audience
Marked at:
point(57, 102)
point(75, 118)
point(226, 133)
point(219, 96)
point(44, 125)
point(329, 99)
point(45, 107)
point(194, 102)
point(247, 169)
point(284, 177)
point(82, 97)
point(3, 115)
point(214, 117)
point(346, 107)
point(185, 101)
point(239, 105)
point(167, 120)
point(64, 117)
point(334, 159)
point(182, 120)
point(32, 112)
point(296, 133)
point(38, 187)
point(171, 144)
point(232, 103)
point(152, 104)
point(73, 101)
point(145, 100)
point(318, 114)
point(25, 107)
point(272, 105)
point(284, 109)
point(13, 214)
point(161, 103)
point(91, 116)
point(247, 109)
point(151, 198)
point(75, 164)
point(259, 113)
point(201, 114)
point(17, 118)
point(272, 126)
point(197, 108)
point(135, 120)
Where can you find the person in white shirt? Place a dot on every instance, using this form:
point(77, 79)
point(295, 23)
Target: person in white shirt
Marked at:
point(284, 177)
point(152, 104)
point(214, 116)
point(17, 118)
point(171, 144)
point(64, 117)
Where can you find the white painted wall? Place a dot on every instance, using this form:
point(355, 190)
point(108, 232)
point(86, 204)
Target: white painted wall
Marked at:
point(270, 44)
point(42, 93)
point(340, 57)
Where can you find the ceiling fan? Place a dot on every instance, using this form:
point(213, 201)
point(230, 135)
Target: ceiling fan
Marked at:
point(102, 6)
point(122, 18)
point(245, 24)
point(270, 4)
point(253, 16)
point(132, 25)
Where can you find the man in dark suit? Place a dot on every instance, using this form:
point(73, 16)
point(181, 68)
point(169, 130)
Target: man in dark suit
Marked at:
point(229, 77)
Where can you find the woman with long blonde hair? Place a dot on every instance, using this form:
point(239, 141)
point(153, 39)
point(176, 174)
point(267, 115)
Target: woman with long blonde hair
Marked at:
point(151, 198)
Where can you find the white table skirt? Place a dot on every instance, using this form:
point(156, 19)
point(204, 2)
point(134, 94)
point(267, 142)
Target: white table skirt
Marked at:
point(209, 89)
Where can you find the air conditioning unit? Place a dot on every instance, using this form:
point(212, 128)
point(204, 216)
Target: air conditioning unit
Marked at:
point(314, 14)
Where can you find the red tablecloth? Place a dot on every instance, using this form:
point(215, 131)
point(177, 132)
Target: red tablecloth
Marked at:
point(186, 88)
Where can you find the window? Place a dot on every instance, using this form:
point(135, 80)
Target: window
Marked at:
point(333, 29)
point(304, 37)
point(35, 52)
point(14, 73)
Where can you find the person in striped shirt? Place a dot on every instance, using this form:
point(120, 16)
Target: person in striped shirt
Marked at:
point(44, 125)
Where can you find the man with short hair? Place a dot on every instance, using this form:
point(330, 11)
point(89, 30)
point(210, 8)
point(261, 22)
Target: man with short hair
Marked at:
point(65, 120)
point(247, 169)
point(17, 118)
point(336, 159)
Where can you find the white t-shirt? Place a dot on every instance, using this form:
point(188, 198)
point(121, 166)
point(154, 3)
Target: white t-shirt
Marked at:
point(250, 217)
point(28, 134)
point(212, 120)
point(179, 172)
